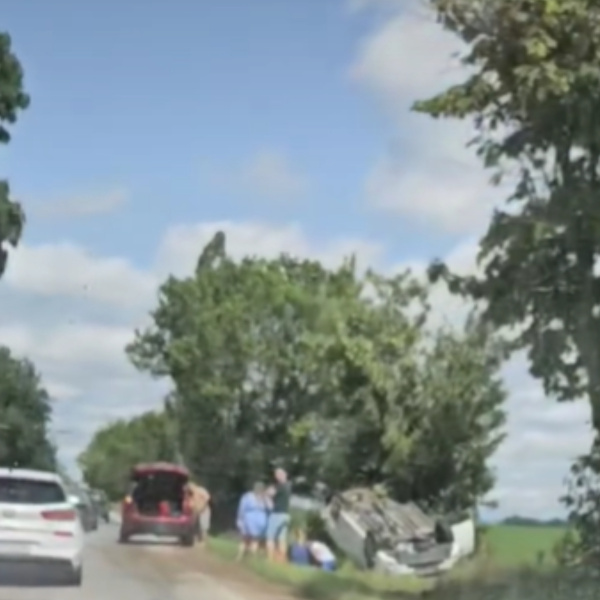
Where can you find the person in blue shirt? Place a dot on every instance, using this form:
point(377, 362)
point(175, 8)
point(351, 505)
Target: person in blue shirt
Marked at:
point(252, 519)
point(298, 552)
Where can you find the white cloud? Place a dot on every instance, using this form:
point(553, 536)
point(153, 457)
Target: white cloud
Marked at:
point(182, 244)
point(82, 205)
point(429, 175)
point(407, 57)
point(65, 269)
point(456, 197)
point(268, 174)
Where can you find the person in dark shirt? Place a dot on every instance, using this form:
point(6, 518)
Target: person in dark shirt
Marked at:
point(279, 519)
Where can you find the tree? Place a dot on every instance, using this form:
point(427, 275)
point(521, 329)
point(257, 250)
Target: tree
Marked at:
point(107, 461)
point(226, 337)
point(532, 92)
point(420, 412)
point(25, 414)
point(13, 99)
point(331, 373)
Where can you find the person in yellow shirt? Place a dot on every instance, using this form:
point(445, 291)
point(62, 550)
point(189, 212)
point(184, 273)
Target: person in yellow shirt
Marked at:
point(200, 498)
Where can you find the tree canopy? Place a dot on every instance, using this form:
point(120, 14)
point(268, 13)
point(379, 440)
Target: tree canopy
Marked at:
point(117, 447)
point(13, 99)
point(334, 374)
point(25, 414)
point(532, 92)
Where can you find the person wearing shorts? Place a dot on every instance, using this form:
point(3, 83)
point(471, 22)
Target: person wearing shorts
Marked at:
point(279, 517)
point(252, 519)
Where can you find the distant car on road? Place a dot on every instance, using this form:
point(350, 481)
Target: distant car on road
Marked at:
point(101, 503)
point(159, 503)
point(85, 508)
point(38, 524)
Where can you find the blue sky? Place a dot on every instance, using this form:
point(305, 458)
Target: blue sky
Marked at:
point(286, 124)
point(145, 98)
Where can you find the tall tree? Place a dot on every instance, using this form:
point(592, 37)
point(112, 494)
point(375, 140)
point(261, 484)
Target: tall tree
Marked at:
point(532, 91)
point(330, 372)
point(107, 461)
point(13, 99)
point(420, 412)
point(25, 414)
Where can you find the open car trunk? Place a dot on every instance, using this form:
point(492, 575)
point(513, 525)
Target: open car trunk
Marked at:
point(159, 493)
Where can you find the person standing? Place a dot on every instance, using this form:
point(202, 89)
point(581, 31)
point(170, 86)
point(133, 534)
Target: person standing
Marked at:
point(279, 518)
point(201, 508)
point(252, 519)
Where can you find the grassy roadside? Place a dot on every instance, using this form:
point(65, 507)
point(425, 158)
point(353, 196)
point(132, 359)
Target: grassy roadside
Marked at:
point(514, 555)
point(346, 584)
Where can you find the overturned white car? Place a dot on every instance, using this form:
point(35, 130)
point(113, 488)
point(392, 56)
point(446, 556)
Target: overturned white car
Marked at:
point(378, 533)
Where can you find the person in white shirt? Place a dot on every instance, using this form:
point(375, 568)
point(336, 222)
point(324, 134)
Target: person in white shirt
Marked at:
point(322, 555)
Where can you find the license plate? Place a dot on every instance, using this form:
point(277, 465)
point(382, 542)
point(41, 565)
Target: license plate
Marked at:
point(14, 548)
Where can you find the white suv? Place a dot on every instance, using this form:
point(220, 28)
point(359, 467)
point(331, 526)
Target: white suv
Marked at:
point(38, 523)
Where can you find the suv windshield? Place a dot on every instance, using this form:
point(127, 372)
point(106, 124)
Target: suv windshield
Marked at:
point(30, 491)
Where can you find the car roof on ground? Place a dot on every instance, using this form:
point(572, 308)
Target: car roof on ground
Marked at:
point(30, 474)
point(157, 467)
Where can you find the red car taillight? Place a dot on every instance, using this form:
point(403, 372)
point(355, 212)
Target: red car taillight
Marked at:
point(59, 515)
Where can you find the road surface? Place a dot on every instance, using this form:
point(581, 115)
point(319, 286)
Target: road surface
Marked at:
point(119, 572)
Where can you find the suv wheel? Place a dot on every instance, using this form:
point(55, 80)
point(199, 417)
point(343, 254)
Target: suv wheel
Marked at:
point(76, 577)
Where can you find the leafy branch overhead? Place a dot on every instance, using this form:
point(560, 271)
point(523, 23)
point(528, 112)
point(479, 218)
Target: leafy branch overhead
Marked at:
point(532, 90)
point(333, 372)
point(13, 100)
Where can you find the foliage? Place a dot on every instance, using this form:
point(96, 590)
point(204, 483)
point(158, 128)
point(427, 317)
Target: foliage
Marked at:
point(333, 374)
point(583, 503)
point(25, 414)
point(511, 572)
point(116, 448)
point(532, 91)
point(12, 100)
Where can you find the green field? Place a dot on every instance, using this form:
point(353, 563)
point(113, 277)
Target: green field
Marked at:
point(507, 550)
point(515, 546)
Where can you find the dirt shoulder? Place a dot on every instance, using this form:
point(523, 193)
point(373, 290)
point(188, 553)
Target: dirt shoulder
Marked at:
point(181, 563)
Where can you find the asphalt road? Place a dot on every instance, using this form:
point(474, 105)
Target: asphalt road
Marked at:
point(118, 572)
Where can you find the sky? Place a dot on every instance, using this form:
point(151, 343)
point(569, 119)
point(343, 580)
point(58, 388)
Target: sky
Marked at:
point(286, 124)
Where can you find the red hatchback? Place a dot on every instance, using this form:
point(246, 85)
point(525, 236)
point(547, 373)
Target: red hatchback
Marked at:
point(158, 503)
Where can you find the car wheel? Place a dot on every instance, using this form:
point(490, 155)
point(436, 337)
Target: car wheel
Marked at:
point(123, 539)
point(188, 540)
point(370, 550)
point(76, 577)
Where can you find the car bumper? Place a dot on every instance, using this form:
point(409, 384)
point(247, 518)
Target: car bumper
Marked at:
point(157, 528)
point(46, 557)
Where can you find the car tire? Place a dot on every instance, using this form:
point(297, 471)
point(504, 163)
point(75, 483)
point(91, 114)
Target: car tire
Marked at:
point(370, 550)
point(123, 539)
point(75, 578)
point(188, 540)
